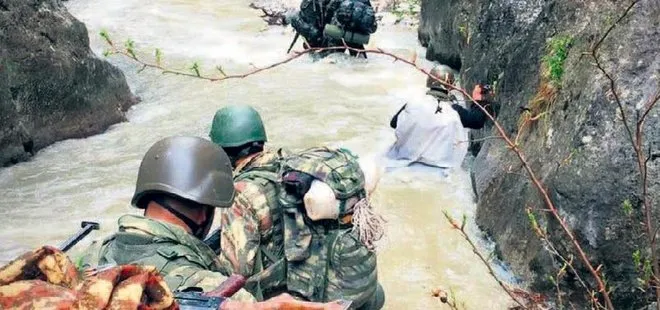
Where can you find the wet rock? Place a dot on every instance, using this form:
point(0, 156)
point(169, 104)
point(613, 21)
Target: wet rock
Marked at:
point(579, 149)
point(52, 87)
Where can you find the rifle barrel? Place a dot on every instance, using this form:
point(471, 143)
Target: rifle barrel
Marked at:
point(87, 227)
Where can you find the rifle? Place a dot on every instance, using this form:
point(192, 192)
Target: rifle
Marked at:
point(213, 241)
point(86, 228)
point(295, 38)
point(195, 299)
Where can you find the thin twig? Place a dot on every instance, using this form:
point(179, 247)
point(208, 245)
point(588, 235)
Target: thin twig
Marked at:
point(461, 228)
point(594, 54)
point(642, 162)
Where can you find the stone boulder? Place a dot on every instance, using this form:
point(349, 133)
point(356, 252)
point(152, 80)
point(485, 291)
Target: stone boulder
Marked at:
point(52, 87)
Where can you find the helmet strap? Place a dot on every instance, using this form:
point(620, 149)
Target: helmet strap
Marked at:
point(198, 230)
point(245, 151)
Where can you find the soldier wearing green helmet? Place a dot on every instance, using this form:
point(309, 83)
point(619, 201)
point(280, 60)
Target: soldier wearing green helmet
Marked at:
point(261, 239)
point(239, 130)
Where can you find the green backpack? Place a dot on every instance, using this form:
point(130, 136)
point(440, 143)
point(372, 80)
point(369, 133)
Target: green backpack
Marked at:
point(322, 260)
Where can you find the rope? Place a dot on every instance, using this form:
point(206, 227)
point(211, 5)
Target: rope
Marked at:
point(370, 226)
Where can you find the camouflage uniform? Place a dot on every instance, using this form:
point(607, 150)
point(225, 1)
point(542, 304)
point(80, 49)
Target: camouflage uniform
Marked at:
point(47, 279)
point(270, 239)
point(183, 260)
point(350, 15)
point(251, 226)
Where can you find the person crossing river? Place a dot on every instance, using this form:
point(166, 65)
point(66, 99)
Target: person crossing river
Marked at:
point(331, 23)
point(284, 238)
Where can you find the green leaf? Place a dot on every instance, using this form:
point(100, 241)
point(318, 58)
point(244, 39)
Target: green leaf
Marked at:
point(637, 258)
point(159, 56)
point(627, 207)
point(648, 271)
point(104, 34)
point(195, 68)
point(130, 48)
point(557, 52)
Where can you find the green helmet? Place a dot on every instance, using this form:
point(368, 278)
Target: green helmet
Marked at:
point(236, 125)
point(443, 73)
point(188, 167)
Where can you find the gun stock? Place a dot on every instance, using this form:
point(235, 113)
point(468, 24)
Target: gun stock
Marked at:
point(192, 300)
point(229, 287)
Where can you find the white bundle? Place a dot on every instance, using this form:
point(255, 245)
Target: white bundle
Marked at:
point(320, 202)
point(372, 170)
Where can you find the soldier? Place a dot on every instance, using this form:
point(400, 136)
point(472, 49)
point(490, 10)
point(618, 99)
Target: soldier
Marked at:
point(428, 130)
point(271, 240)
point(473, 117)
point(325, 23)
point(181, 181)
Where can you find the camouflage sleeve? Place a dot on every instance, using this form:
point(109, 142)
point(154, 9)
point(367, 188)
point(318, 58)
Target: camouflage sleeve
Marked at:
point(89, 258)
point(240, 236)
point(206, 280)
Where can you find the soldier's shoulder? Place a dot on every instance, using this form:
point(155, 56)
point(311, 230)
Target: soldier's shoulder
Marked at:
point(251, 198)
point(249, 190)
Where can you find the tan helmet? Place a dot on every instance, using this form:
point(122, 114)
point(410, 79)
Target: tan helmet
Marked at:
point(188, 167)
point(443, 73)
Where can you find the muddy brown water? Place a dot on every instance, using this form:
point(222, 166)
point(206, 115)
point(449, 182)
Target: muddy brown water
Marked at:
point(339, 101)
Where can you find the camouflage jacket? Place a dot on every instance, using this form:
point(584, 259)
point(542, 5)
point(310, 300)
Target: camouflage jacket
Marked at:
point(183, 260)
point(266, 237)
point(252, 225)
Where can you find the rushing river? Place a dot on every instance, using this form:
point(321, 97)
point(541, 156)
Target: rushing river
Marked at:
point(342, 102)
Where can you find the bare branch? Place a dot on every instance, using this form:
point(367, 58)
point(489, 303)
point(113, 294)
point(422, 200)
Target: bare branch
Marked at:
point(637, 144)
point(461, 228)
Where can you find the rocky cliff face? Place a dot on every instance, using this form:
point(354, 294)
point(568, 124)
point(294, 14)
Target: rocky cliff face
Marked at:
point(578, 146)
point(52, 87)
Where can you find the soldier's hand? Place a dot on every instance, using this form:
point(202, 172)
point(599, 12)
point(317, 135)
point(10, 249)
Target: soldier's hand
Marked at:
point(482, 92)
point(283, 302)
point(477, 93)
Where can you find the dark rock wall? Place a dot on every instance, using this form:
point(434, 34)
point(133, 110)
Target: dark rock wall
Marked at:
point(579, 148)
point(52, 87)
